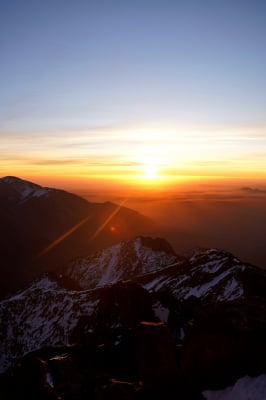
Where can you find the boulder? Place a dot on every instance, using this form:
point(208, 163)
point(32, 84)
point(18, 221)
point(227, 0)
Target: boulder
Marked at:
point(224, 342)
point(155, 353)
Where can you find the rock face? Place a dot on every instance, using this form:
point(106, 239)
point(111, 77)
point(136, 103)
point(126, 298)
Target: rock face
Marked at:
point(123, 261)
point(135, 321)
point(133, 369)
point(225, 342)
point(211, 274)
point(155, 352)
point(115, 354)
point(46, 313)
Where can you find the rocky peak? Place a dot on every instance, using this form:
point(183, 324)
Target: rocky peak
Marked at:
point(24, 189)
point(122, 261)
point(156, 244)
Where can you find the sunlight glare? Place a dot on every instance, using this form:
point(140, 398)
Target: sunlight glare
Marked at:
point(150, 171)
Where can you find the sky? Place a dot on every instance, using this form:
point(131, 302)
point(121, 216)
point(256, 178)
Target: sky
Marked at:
point(136, 92)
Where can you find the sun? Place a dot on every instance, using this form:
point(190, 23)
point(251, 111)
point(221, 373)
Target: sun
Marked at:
point(150, 171)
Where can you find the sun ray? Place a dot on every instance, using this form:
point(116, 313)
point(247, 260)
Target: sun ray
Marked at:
point(55, 242)
point(62, 237)
point(108, 219)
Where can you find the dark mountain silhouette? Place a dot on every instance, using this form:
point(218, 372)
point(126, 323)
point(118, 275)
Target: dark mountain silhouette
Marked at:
point(43, 228)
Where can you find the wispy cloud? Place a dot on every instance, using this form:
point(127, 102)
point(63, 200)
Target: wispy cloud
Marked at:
point(54, 162)
point(118, 148)
point(253, 190)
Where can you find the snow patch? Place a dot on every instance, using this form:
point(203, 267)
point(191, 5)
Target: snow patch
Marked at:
point(54, 312)
point(161, 312)
point(41, 192)
point(201, 290)
point(26, 189)
point(213, 266)
point(49, 379)
point(246, 388)
point(232, 291)
point(119, 262)
point(59, 357)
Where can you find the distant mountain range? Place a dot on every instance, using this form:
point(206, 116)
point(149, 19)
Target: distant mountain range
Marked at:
point(43, 228)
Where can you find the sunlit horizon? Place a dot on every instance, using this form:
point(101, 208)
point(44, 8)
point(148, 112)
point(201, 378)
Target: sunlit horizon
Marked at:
point(139, 156)
point(134, 94)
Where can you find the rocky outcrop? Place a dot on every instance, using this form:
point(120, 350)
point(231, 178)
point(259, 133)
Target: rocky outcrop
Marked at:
point(174, 328)
point(162, 285)
point(117, 355)
point(208, 274)
point(224, 342)
point(142, 365)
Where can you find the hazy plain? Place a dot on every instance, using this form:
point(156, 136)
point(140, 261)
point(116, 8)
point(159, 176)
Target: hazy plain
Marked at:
point(230, 217)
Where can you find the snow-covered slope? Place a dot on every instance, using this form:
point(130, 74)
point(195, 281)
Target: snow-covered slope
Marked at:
point(45, 313)
point(123, 261)
point(25, 189)
point(246, 388)
point(42, 315)
point(208, 274)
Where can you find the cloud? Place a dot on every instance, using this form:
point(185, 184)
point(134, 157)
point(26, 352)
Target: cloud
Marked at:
point(254, 190)
point(120, 148)
point(85, 162)
point(83, 165)
point(208, 163)
point(53, 162)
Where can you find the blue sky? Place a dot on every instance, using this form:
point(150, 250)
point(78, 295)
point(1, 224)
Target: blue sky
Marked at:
point(113, 81)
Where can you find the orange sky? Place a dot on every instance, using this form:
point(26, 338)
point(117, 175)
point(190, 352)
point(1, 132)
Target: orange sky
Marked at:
point(137, 157)
point(137, 94)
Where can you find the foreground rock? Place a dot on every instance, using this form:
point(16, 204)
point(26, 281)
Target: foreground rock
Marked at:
point(224, 342)
point(177, 327)
point(47, 311)
point(245, 388)
point(141, 365)
point(115, 355)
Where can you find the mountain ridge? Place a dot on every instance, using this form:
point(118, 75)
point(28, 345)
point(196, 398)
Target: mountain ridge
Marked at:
point(43, 228)
point(48, 311)
point(129, 319)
